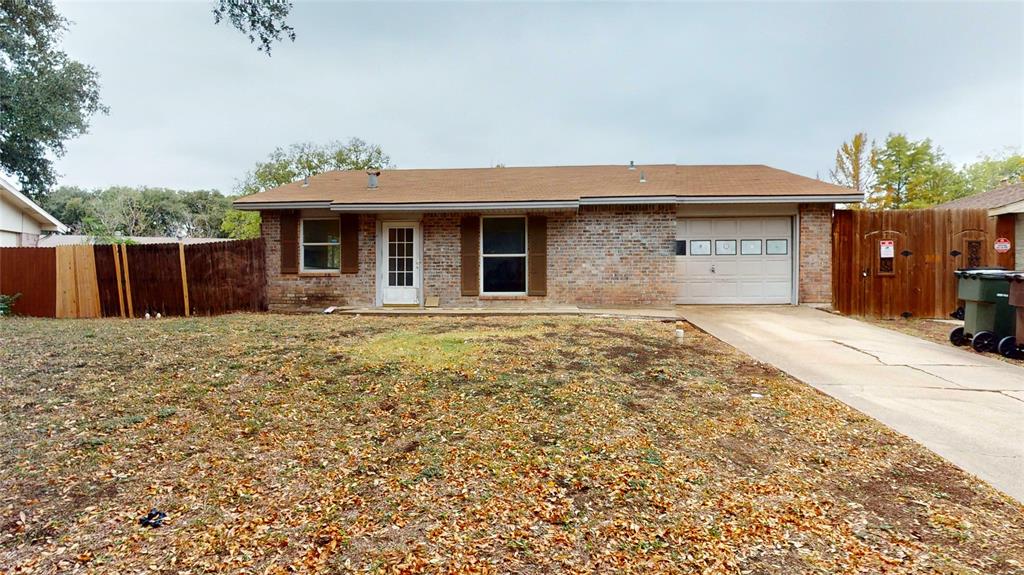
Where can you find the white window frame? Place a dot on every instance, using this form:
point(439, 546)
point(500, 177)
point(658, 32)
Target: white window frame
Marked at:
point(524, 255)
point(303, 244)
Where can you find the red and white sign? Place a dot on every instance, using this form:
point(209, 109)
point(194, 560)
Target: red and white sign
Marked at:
point(1002, 245)
point(887, 248)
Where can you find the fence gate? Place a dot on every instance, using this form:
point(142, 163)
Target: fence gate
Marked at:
point(892, 263)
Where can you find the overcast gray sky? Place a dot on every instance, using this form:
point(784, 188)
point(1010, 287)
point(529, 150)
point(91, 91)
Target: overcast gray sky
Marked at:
point(193, 105)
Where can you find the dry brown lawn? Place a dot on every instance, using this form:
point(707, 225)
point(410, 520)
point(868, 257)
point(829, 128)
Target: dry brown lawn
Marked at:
point(281, 444)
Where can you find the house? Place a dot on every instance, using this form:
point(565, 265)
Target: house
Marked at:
point(610, 235)
point(22, 221)
point(1005, 203)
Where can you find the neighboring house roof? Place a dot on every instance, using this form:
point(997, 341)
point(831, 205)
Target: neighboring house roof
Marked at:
point(992, 199)
point(553, 186)
point(72, 240)
point(13, 196)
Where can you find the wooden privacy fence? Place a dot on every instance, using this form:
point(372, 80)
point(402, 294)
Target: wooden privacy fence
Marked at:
point(892, 263)
point(133, 280)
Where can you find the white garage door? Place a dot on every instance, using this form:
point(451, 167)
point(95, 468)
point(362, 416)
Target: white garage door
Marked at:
point(734, 260)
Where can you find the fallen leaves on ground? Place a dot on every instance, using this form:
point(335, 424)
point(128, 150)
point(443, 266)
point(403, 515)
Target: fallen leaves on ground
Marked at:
point(310, 444)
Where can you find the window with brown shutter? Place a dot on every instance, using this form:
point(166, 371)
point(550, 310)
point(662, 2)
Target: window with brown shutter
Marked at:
point(537, 255)
point(349, 243)
point(470, 255)
point(289, 242)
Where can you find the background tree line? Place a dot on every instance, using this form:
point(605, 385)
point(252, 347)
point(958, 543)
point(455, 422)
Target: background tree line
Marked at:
point(148, 211)
point(903, 173)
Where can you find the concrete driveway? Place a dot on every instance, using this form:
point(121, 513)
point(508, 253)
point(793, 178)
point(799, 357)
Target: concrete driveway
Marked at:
point(964, 406)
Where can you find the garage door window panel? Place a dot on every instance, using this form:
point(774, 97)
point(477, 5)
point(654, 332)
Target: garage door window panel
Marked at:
point(750, 247)
point(700, 247)
point(777, 247)
point(725, 247)
point(503, 255)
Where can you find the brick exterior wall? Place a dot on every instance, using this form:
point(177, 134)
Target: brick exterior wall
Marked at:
point(815, 253)
point(317, 291)
point(601, 255)
point(598, 256)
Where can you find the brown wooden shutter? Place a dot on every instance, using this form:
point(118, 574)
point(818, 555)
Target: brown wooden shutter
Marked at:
point(289, 242)
point(537, 255)
point(349, 243)
point(470, 255)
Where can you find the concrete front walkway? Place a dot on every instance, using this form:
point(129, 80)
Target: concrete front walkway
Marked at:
point(962, 405)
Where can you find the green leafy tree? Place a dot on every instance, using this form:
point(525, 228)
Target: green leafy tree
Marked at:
point(241, 225)
point(911, 174)
point(853, 167)
point(139, 211)
point(204, 212)
point(286, 165)
point(71, 205)
point(989, 173)
point(46, 98)
point(263, 21)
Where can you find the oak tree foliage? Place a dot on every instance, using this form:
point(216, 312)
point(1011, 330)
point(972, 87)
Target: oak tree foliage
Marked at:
point(46, 98)
point(262, 21)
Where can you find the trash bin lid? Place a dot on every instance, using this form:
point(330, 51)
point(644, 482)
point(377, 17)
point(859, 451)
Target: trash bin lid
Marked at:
point(985, 273)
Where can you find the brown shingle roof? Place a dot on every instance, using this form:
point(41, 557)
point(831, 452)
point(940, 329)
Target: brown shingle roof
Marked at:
point(552, 183)
point(996, 198)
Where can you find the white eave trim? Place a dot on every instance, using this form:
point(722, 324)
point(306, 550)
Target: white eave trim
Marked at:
point(626, 200)
point(829, 199)
point(457, 206)
point(37, 213)
point(1011, 208)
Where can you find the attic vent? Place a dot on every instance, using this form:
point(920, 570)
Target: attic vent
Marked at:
point(305, 182)
point(372, 179)
point(643, 178)
point(631, 165)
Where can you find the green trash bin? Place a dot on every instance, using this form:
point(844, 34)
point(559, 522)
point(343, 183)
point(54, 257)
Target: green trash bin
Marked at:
point(988, 315)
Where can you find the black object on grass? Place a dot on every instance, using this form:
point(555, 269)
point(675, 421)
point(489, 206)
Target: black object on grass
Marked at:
point(155, 518)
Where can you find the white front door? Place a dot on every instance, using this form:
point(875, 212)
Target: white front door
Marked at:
point(400, 264)
point(735, 260)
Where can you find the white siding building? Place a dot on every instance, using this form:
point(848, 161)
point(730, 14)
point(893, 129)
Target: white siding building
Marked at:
point(22, 221)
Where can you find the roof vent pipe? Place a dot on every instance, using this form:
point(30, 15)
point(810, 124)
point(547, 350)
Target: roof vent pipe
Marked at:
point(372, 179)
point(305, 182)
point(643, 178)
point(631, 166)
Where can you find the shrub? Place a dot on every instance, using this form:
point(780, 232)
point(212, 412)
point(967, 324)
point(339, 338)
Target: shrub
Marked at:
point(7, 303)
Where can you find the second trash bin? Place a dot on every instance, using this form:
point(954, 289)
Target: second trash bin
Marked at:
point(988, 316)
point(1012, 346)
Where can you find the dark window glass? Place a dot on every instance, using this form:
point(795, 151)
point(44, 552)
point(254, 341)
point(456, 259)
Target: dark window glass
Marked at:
point(505, 274)
point(504, 235)
point(320, 231)
point(321, 258)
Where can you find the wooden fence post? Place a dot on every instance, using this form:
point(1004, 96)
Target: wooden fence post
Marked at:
point(184, 277)
point(127, 280)
point(118, 279)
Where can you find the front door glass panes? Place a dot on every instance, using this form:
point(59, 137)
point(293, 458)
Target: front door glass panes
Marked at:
point(400, 257)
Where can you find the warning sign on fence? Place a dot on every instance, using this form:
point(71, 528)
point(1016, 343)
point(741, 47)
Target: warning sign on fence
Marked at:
point(1002, 245)
point(887, 248)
